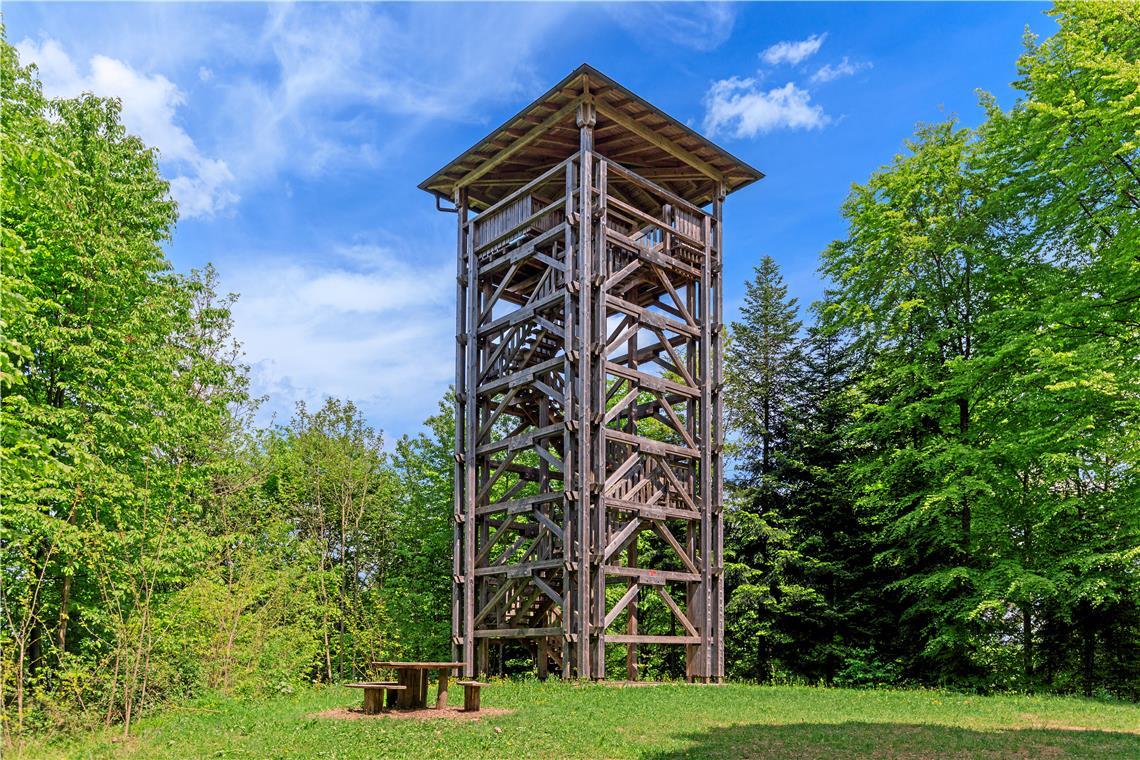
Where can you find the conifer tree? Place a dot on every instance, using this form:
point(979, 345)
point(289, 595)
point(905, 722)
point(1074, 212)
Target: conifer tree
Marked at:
point(762, 358)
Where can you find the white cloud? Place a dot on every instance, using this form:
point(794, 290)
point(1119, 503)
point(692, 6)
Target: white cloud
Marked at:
point(303, 90)
point(793, 52)
point(844, 68)
point(739, 108)
point(697, 26)
point(201, 185)
point(352, 85)
point(367, 323)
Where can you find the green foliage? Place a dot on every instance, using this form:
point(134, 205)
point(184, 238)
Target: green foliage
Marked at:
point(155, 543)
point(966, 488)
point(418, 594)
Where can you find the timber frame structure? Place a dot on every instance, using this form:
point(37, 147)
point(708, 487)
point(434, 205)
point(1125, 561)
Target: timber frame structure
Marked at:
point(588, 438)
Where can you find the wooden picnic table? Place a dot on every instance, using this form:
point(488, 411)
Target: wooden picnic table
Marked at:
point(414, 675)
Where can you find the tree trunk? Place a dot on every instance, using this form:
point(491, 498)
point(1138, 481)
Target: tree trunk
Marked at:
point(1027, 643)
point(64, 605)
point(964, 429)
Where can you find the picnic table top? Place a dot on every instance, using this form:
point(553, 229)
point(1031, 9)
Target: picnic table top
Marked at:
point(418, 665)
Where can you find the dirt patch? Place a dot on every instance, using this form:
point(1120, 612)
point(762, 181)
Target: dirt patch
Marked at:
point(427, 713)
point(1034, 721)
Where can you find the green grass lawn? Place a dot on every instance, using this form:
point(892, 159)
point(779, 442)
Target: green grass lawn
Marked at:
point(556, 720)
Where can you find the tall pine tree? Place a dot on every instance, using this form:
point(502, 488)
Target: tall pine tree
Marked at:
point(762, 358)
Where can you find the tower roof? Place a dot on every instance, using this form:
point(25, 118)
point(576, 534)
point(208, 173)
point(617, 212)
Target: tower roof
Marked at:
point(629, 130)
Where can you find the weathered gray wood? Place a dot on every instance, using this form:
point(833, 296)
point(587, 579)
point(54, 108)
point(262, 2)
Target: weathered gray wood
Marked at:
point(577, 277)
point(471, 691)
point(621, 638)
point(374, 694)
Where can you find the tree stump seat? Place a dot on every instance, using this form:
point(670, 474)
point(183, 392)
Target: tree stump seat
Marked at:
point(471, 694)
point(374, 694)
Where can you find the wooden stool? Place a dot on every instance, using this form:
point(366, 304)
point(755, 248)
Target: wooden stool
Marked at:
point(471, 694)
point(374, 694)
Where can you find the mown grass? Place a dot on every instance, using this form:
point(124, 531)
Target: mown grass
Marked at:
point(556, 720)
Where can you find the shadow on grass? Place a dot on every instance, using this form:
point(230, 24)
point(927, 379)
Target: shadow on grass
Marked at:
point(897, 740)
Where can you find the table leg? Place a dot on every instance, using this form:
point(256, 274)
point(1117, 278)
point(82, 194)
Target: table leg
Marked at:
point(373, 701)
point(421, 693)
point(441, 694)
point(407, 697)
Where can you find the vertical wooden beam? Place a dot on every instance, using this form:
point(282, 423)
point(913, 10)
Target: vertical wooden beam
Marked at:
point(571, 504)
point(631, 623)
point(459, 470)
point(717, 505)
point(597, 409)
point(586, 568)
point(692, 590)
point(471, 421)
point(631, 552)
point(706, 475)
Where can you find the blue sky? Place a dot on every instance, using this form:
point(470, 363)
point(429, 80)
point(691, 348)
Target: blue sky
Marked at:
point(295, 136)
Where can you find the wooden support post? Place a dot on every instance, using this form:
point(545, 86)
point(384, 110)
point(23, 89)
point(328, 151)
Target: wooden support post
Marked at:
point(631, 625)
point(459, 470)
point(588, 568)
point(704, 664)
point(716, 505)
point(470, 421)
point(441, 690)
point(542, 657)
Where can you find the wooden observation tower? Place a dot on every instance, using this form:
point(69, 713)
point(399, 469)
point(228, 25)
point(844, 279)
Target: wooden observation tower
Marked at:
point(588, 437)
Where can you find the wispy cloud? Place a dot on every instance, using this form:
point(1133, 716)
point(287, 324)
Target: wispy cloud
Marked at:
point(354, 84)
point(740, 108)
point(353, 323)
point(302, 90)
point(793, 52)
point(202, 185)
point(697, 26)
point(828, 73)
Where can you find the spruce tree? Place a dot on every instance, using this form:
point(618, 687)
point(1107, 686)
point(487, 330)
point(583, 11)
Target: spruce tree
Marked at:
point(762, 358)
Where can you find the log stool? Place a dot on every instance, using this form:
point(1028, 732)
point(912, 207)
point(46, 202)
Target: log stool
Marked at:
point(471, 694)
point(374, 694)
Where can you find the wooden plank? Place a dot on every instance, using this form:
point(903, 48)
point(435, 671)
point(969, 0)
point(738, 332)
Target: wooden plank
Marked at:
point(650, 445)
point(665, 144)
point(648, 576)
point(546, 589)
point(522, 568)
point(663, 530)
point(628, 596)
point(524, 503)
point(621, 538)
point(617, 475)
point(530, 222)
point(518, 144)
point(529, 186)
point(621, 638)
point(521, 315)
point(640, 180)
point(650, 318)
point(517, 633)
point(551, 526)
point(652, 513)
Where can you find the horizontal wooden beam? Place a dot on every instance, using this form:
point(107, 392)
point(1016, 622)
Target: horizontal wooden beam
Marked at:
point(517, 633)
point(625, 638)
